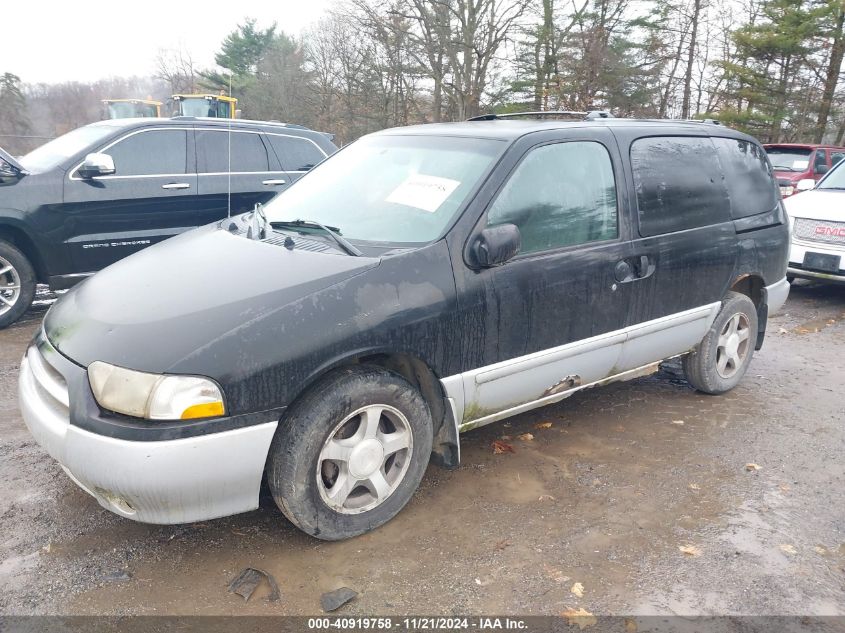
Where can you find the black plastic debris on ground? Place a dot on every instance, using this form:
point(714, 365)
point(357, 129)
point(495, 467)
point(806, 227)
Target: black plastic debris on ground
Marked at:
point(117, 576)
point(337, 598)
point(245, 583)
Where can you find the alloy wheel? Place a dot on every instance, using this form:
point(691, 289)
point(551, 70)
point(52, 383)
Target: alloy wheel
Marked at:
point(733, 345)
point(364, 459)
point(10, 286)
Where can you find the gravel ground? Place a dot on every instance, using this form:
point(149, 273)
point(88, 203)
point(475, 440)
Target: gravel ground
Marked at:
point(637, 496)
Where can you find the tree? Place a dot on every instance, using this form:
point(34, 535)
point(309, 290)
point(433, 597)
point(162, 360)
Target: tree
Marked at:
point(691, 48)
point(240, 54)
point(177, 68)
point(836, 17)
point(14, 119)
point(13, 106)
point(767, 74)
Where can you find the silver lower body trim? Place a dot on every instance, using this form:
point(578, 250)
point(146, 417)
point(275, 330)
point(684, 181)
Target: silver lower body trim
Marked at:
point(497, 391)
point(631, 374)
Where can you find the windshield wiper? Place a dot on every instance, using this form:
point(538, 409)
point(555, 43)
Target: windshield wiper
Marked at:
point(332, 231)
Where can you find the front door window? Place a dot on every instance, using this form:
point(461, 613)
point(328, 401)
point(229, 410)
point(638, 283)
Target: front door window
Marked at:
point(560, 195)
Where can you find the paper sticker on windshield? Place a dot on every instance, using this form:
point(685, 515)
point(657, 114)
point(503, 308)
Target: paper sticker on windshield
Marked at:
point(423, 192)
point(800, 164)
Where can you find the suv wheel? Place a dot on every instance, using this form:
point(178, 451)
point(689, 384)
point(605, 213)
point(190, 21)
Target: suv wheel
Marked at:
point(17, 284)
point(719, 362)
point(350, 453)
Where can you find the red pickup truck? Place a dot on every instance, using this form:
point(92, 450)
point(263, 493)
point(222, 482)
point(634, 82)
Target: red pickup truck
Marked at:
point(797, 161)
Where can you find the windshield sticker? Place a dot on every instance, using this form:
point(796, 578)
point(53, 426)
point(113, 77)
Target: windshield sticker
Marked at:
point(423, 192)
point(800, 164)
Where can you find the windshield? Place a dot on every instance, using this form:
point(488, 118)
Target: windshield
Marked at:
point(60, 149)
point(198, 106)
point(395, 189)
point(124, 110)
point(789, 158)
point(835, 178)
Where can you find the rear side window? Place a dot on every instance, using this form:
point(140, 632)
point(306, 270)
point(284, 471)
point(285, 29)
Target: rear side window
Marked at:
point(751, 186)
point(679, 184)
point(295, 154)
point(820, 160)
point(248, 152)
point(151, 153)
point(560, 195)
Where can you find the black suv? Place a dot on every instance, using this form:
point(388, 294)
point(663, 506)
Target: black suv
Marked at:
point(421, 282)
point(103, 191)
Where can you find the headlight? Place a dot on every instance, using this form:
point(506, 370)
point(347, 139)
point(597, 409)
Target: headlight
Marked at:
point(154, 396)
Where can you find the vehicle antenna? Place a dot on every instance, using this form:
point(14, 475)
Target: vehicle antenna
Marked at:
point(229, 161)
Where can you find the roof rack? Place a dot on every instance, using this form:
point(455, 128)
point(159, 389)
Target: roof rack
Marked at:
point(584, 116)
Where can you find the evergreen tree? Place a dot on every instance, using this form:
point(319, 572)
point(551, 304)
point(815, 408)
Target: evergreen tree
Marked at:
point(14, 119)
point(240, 55)
point(771, 55)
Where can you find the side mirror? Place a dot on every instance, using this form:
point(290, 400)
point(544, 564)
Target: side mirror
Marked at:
point(822, 169)
point(805, 184)
point(8, 172)
point(96, 165)
point(496, 244)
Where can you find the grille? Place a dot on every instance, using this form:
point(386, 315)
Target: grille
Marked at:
point(819, 231)
point(49, 383)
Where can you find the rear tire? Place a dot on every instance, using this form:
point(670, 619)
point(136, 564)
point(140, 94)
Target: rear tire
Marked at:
point(720, 360)
point(350, 453)
point(17, 284)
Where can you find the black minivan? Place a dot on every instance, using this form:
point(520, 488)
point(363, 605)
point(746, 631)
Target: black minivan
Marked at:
point(106, 190)
point(421, 282)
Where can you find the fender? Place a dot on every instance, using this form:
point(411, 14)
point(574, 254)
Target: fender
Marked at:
point(14, 229)
point(445, 451)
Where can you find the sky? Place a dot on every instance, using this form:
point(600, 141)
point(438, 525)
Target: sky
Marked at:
point(53, 41)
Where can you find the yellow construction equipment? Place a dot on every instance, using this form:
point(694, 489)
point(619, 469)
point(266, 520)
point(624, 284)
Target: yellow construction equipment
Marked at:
point(205, 105)
point(130, 108)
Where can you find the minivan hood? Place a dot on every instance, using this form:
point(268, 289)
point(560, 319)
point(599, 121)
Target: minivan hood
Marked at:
point(152, 309)
point(817, 204)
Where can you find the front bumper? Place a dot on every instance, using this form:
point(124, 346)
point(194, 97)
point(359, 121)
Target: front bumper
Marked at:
point(168, 481)
point(796, 261)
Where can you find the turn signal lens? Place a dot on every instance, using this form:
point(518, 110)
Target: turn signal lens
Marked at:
point(209, 410)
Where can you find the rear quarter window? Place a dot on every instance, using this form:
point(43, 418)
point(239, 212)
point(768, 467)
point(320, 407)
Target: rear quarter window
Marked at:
point(748, 177)
point(679, 184)
point(295, 153)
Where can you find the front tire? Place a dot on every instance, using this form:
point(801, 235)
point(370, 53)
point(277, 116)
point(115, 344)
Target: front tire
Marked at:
point(350, 453)
point(17, 284)
point(720, 360)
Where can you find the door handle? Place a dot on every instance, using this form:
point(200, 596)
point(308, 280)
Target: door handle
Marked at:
point(273, 183)
point(645, 267)
point(176, 185)
point(642, 268)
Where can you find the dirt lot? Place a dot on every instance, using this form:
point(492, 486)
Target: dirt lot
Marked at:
point(607, 496)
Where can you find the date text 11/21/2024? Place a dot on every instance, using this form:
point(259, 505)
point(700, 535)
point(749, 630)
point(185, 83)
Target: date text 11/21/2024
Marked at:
point(420, 623)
